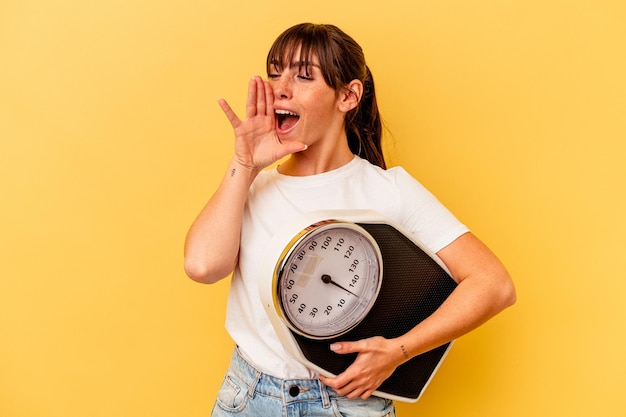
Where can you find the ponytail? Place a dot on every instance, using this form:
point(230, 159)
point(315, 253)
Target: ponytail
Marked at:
point(364, 127)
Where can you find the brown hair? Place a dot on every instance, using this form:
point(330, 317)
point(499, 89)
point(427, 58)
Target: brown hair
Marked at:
point(341, 60)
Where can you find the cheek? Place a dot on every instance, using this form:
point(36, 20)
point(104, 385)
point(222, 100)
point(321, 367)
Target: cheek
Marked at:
point(321, 119)
point(324, 105)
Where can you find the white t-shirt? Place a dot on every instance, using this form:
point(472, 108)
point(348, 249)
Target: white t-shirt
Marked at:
point(274, 199)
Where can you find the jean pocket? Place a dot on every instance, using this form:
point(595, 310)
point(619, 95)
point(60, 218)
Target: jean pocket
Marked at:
point(372, 407)
point(233, 394)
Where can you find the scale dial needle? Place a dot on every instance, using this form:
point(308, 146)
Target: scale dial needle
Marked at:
point(327, 279)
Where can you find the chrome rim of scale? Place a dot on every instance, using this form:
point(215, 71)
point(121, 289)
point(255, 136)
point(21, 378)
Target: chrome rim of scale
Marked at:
point(327, 279)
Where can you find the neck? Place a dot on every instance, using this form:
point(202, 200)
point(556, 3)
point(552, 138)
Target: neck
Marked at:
point(316, 161)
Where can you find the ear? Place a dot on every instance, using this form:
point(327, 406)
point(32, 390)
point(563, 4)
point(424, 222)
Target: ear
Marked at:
point(350, 95)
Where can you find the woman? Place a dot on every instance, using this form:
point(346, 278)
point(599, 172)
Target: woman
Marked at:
point(318, 107)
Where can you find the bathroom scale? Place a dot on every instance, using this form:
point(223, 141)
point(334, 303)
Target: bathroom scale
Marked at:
point(345, 275)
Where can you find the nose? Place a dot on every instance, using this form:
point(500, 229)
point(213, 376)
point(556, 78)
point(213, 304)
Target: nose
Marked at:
point(282, 87)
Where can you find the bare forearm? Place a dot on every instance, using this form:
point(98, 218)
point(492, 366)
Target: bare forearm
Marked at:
point(468, 307)
point(485, 288)
point(212, 243)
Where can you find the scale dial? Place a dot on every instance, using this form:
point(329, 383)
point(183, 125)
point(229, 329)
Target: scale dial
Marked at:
point(327, 279)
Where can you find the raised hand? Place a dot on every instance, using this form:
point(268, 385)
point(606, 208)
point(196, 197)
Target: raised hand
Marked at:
point(257, 144)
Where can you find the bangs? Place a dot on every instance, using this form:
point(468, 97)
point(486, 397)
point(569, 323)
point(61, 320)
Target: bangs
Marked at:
point(312, 41)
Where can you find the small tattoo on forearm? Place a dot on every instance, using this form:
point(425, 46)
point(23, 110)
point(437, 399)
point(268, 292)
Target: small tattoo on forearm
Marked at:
point(404, 352)
point(232, 172)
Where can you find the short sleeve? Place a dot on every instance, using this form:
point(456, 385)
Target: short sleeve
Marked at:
point(424, 215)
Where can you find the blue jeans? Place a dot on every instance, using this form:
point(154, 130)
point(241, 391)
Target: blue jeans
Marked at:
point(246, 391)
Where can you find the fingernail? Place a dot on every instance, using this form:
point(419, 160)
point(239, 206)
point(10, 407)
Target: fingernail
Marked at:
point(335, 346)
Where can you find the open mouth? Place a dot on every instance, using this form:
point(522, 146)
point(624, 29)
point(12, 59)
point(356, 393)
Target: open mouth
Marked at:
point(286, 119)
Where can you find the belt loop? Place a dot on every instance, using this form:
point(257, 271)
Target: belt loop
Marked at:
point(324, 393)
point(257, 378)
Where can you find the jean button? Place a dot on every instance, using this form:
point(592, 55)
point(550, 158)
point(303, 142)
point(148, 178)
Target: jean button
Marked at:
point(294, 390)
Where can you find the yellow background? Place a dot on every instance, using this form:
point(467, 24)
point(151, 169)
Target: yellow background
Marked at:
point(512, 112)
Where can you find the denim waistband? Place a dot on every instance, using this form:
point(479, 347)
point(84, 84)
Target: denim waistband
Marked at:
point(290, 390)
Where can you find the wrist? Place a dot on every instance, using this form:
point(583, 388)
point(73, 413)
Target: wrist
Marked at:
point(402, 349)
point(240, 168)
point(405, 354)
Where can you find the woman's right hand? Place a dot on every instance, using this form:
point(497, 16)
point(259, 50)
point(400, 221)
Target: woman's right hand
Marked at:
point(257, 144)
